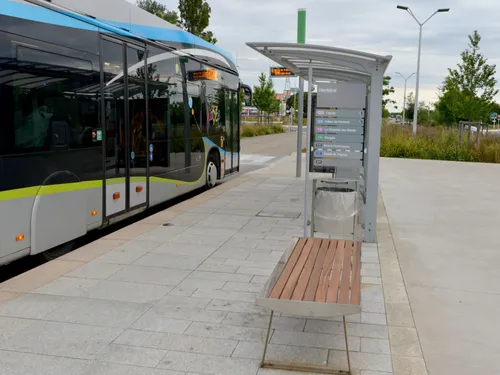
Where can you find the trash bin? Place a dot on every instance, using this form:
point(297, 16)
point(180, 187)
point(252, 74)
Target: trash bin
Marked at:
point(335, 209)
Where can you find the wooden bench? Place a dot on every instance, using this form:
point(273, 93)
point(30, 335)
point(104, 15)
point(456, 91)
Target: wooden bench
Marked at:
point(317, 278)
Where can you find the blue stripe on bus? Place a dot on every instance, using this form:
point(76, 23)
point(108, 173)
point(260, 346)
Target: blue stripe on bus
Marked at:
point(214, 144)
point(40, 14)
point(220, 149)
point(172, 35)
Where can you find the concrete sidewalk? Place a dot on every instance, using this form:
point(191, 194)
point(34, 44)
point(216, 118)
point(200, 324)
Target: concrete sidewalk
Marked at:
point(174, 294)
point(444, 217)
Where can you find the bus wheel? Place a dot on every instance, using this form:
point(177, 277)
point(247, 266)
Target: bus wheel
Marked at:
point(212, 172)
point(57, 251)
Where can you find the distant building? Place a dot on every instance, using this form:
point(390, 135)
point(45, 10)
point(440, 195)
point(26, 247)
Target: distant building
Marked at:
point(280, 97)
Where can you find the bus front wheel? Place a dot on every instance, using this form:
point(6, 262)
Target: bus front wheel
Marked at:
point(212, 172)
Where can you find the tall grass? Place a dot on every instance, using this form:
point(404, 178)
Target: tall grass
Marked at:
point(258, 130)
point(437, 143)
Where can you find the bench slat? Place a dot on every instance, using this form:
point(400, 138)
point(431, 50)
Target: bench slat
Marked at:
point(321, 270)
point(287, 270)
point(326, 272)
point(297, 270)
point(345, 282)
point(312, 286)
point(333, 289)
point(356, 276)
point(306, 274)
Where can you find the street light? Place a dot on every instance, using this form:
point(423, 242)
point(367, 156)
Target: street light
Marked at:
point(421, 24)
point(404, 98)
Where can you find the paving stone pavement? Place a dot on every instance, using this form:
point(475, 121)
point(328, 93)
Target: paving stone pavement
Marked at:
point(179, 299)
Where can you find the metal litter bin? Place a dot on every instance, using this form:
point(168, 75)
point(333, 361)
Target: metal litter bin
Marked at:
point(335, 207)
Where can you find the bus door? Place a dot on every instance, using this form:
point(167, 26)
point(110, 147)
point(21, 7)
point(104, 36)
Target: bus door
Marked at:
point(228, 143)
point(125, 119)
point(235, 125)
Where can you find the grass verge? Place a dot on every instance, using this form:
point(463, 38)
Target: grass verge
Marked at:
point(437, 144)
point(258, 130)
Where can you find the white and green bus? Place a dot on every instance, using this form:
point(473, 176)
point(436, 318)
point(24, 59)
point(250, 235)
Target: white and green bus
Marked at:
point(106, 110)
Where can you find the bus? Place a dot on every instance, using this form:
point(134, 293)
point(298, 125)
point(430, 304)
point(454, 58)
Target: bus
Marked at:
point(105, 110)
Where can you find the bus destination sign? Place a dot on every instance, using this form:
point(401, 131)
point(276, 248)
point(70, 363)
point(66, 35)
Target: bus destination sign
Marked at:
point(279, 71)
point(204, 74)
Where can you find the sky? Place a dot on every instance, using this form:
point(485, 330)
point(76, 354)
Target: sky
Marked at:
point(375, 26)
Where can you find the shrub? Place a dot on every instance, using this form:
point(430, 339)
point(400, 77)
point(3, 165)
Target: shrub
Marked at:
point(437, 143)
point(258, 130)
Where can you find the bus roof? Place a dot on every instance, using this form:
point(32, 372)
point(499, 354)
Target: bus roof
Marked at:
point(120, 17)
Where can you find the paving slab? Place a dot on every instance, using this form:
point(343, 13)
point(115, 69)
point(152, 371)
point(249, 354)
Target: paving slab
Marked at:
point(96, 312)
point(62, 339)
point(209, 364)
point(12, 363)
point(32, 306)
point(103, 368)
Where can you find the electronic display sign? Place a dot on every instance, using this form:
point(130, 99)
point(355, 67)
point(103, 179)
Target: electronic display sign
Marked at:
point(279, 71)
point(204, 74)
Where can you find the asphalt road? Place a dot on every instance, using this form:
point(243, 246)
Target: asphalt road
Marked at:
point(276, 145)
point(273, 145)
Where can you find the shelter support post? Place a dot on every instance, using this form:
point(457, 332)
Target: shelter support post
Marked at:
point(308, 148)
point(372, 156)
point(300, 119)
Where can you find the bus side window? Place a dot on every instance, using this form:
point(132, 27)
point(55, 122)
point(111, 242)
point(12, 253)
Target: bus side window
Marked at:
point(52, 97)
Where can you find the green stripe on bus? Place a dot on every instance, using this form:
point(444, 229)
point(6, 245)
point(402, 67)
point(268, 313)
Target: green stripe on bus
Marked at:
point(33, 191)
point(65, 188)
point(19, 193)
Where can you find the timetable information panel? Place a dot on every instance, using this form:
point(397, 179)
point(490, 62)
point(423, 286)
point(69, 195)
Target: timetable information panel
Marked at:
point(338, 132)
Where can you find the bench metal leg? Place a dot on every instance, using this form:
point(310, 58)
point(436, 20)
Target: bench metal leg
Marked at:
point(347, 347)
point(267, 339)
point(287, 367)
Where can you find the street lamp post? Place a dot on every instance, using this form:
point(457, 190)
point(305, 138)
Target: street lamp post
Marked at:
point(421, 24)
point(404, 98)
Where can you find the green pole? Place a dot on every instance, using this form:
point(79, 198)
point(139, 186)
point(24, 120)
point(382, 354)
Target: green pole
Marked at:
point(301, 26)
point(301, 39)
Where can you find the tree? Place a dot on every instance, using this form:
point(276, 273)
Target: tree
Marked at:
point(159, 10)
point(448, 106)
point(293, 101)
point(195, 18)
point(424, 113)
point(410, 106)
point(469, 90)
point(386, 91)
point(264, 96)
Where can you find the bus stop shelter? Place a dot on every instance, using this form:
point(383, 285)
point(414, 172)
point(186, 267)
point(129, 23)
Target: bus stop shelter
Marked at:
point(315, 64)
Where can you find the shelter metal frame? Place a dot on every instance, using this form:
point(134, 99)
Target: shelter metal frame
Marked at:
point(315, 62)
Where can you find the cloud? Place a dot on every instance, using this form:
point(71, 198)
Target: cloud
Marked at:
point(367, 25)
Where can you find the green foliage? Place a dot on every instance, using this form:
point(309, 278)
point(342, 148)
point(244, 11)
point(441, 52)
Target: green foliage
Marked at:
point(259, 130)
point(468, 90)
point(293, 101)
point(386, 91)
point(264, 96)
point(159, 10)
point(410, 106)
point(437, 143)
point(195, 18)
